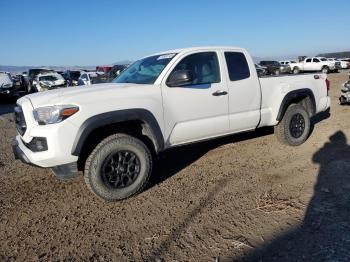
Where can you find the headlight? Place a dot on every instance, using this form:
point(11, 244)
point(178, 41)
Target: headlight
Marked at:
point(54, 114)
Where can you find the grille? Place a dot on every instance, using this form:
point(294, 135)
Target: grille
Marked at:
point(20, 121)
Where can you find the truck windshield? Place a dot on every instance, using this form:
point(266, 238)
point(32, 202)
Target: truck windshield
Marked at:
point(145, 71)
point(50, 78)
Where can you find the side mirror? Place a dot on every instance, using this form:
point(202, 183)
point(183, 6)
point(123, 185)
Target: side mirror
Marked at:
point(180, 78)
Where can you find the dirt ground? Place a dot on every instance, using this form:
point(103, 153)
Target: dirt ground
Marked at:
point(240, 198)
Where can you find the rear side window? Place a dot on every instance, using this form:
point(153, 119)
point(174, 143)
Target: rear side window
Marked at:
point(237, 66)
point(308, 60)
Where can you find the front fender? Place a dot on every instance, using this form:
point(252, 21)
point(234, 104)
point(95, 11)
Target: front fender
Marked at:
point(118, 116)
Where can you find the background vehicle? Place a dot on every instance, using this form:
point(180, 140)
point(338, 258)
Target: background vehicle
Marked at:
point(344, 63)
point(106, 74)
point(167, 99)
point(275, 68)
point(32, 73)
point(340, 64)
point(287, 62)
point(103, 69)
point(6, 84)
point(315, 64)
point(48, 81)
point(89, 78)
point(72, 77)
point(114, 72)
point(345, 93)
point(261, 70)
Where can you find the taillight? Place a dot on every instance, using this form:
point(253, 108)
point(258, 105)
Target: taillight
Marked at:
point(328, 84)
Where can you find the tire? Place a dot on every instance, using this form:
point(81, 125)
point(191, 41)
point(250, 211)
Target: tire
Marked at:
point(296, 136)
point(325, 70)
point(342, 100)
point(296, 70)
point(277, 72)
point(111, 161)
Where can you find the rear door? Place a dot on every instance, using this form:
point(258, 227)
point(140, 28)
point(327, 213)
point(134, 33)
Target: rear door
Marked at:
point(199, 110)
point(244, 91)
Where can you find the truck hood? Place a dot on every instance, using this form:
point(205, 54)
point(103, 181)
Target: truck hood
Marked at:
point(81, 94)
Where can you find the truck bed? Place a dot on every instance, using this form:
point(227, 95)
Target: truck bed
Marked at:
point(275, 88)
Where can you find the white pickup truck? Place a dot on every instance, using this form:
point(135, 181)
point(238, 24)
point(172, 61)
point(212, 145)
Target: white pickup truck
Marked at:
point(112, 132)
point(314, 64)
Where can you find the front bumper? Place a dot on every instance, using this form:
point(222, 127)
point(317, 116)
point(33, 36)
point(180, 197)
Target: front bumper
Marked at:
point(18, 153)
point(64, 172)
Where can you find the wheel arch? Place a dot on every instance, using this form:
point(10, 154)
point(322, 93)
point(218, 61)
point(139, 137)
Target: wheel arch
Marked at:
point(305, 97)
point(149, 125)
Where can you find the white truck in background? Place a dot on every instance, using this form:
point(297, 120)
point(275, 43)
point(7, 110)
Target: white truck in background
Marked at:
point(113, 132)
point(343, 63)
point(315, 64)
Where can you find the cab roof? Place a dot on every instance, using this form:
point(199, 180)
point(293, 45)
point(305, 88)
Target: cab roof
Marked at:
point(199, 48)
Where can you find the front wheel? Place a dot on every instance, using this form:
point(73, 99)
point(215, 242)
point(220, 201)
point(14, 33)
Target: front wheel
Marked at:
point(342, 100)
point(294, 128)
point(277, 72)
point(119, 167)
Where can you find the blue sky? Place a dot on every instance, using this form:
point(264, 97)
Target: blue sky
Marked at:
point(78, 32)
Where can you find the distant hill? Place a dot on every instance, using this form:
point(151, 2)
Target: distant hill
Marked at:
point(336, 55)
point(20, 69)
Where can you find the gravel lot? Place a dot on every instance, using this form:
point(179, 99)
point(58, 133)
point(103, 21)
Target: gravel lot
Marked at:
point(244, 197)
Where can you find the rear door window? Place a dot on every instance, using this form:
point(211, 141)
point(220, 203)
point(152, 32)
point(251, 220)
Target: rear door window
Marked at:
point(237, 66)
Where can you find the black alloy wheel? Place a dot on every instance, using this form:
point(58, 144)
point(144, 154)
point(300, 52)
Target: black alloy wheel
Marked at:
point(120, 169)
point(297, 125)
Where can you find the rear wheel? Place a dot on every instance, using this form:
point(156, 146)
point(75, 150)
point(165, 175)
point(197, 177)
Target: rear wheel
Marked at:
point(296, 70)
point(325, 70)
point(294, 128)
point(119, 167)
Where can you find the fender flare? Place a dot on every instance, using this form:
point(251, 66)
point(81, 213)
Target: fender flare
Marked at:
point(292, 95)
point(115, 117)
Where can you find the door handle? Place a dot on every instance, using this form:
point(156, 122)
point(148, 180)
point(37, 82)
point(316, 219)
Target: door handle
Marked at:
point(220, 93)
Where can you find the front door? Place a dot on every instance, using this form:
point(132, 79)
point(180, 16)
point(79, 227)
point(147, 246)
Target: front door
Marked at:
point(198, 110)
